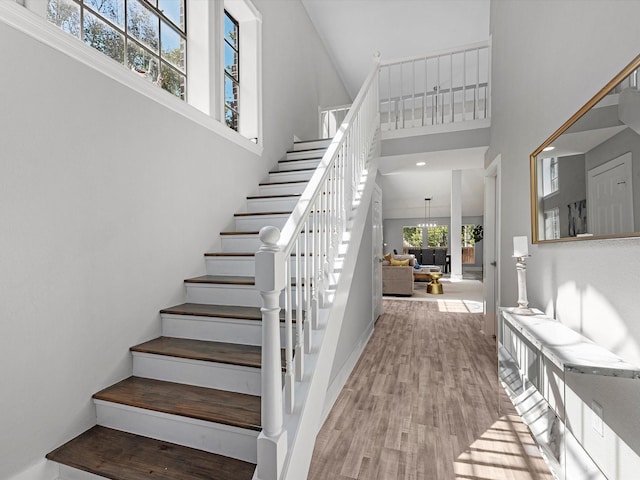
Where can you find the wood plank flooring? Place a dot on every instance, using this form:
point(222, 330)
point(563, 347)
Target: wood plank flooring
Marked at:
point(422, 404)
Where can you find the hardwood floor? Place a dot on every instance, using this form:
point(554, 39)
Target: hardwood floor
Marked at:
point(422, 404)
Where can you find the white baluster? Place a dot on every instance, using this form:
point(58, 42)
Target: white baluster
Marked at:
point(288, 326)
point(476, 95)
point(308, 267)
point(299, 356)
point(451, 99)
point(270, 280)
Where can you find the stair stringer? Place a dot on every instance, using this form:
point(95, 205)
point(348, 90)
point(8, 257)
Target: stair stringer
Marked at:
point(304, 424)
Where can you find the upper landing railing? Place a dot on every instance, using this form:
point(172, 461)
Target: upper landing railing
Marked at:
point(294, 267)
point(439, 88)
point(444, 87)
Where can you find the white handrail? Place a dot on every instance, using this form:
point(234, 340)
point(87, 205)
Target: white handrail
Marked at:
point(300, 260)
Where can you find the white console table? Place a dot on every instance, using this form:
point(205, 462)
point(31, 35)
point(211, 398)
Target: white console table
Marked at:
point(579, 399)
point(562, 345)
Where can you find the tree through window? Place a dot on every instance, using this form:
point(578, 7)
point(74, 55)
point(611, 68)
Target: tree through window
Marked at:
point(231, 71)
point(147, 36)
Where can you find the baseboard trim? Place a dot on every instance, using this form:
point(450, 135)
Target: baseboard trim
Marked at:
point(343, 375)
point(42, 470)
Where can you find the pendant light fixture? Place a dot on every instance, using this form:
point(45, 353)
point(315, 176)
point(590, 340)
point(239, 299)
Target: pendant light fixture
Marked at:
point(427, 224)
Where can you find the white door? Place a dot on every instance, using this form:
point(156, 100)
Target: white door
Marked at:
point(491, 272)
point(610, 197)
point(377, 252)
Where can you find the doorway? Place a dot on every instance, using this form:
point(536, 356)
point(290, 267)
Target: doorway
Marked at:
point(490, 267)
point(610, 197)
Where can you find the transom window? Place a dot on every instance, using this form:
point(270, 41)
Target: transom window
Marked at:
point(147, 36)
point(231, 71)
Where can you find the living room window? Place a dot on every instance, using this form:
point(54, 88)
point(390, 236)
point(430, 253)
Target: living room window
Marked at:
point(411, 237)
point(438, 236)
point(147, 36)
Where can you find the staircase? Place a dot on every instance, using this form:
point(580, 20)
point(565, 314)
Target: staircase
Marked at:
point(192, 408)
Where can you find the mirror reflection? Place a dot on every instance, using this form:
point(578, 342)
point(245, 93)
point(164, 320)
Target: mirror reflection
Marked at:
point(583, 176)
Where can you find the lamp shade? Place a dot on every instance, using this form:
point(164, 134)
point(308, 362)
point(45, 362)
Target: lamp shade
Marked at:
point(520, 247)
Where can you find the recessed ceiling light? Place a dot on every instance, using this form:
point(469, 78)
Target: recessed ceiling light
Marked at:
point(548, 149)
point(420, 164)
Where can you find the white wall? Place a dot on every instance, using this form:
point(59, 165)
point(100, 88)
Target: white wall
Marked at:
point(108, 201)
point(549, 58)
point(358, 319)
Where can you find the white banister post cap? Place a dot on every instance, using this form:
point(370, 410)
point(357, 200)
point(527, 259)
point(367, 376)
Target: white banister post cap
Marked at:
point(269, 235)
point(376, 56)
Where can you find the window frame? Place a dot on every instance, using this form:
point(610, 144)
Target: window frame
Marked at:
point(130, 38)
point(30, 19)
point(226, 75)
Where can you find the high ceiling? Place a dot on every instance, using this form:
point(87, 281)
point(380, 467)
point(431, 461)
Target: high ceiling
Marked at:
point(353, 30)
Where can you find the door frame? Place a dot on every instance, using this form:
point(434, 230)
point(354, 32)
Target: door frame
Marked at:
point(377, 247)
point(492, 232)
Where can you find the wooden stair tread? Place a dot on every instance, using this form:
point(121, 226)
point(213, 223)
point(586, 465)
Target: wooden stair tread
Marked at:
point(229, 353)
point(240, 233)
point(299, 159)
point(124, 456)
point(208, 404)
point(223, 279)
point(294, 170)
point(250, 214)
point(300, 142)
point(220, 311)
point(284, 195)
point(227, 280)
point(206, 351)
point(265, 184)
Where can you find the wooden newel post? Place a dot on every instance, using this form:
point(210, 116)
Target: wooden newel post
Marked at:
point(270, 280)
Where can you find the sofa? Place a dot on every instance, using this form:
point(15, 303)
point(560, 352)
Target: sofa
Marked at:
point(396, 279)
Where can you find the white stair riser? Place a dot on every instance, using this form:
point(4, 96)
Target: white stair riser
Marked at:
point(224, 294)
point(282, 189)
point(240, 243)
point(222, 376)
point(322, 143)
point(298, 164)
point(290, 176)
point(214, 329)
point(208, 436)
point(304, 154)
point(255, 223)
point(243, 266)
point(70, 473)
point(281, 204)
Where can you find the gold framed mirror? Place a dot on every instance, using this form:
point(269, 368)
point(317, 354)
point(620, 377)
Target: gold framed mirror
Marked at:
point(585, 178)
